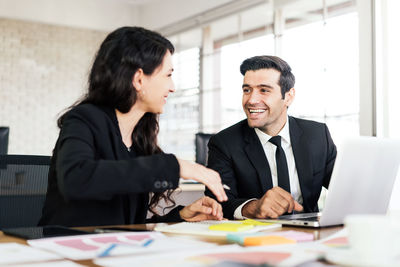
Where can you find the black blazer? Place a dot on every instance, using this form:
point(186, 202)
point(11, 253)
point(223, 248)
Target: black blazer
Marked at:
point(237, 154)
point(95, 180)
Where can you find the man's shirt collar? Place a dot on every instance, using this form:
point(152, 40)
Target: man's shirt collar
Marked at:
point(284, 133)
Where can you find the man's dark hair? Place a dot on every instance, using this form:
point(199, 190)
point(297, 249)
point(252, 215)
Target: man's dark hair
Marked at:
point(286, 80)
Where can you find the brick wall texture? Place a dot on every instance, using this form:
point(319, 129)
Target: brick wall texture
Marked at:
point(43, 70)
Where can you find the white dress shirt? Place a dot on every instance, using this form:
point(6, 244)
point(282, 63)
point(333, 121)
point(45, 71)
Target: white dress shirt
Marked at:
point(269, 150)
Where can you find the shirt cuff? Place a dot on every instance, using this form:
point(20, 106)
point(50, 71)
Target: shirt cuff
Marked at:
point(237, 215)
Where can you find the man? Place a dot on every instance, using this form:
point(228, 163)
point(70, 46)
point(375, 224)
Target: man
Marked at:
point(270, 177)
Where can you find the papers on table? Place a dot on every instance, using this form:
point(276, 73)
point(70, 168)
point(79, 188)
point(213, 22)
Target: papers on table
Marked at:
point(156, 249)
point(172, 258)
point(338, 239)
point(14, 253)
point(284, 255)
point(113, 244)
point(63, 263)
point(216, 228)
point(279, 255)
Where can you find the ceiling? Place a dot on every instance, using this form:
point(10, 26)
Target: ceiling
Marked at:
point(136, 2)
point(106, 15)
point(227, 17)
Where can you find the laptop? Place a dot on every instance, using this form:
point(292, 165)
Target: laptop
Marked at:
point(361, 183)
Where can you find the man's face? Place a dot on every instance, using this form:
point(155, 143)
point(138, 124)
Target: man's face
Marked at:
point(262, 100)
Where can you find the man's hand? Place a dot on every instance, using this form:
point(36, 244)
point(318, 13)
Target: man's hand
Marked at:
point(273, 204)
point(204, 208)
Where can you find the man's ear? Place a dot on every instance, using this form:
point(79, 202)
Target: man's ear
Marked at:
point(138, 79)
point(289, 96)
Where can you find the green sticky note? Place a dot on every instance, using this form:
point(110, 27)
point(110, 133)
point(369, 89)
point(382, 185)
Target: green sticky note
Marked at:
point(230, 227)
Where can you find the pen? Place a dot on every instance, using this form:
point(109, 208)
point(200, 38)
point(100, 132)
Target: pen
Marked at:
point(108, 250)
point(118, 229)
point(148, 242)
point(226, 187)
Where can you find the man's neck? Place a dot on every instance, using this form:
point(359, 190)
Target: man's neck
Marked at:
point(276, 127)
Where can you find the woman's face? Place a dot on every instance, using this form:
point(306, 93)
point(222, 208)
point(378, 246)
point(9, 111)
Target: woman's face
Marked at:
point(156, 87)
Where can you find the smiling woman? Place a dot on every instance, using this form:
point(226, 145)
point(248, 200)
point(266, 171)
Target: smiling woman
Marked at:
point(106, 160)
point(153, 90)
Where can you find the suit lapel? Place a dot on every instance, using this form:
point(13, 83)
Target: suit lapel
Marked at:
point(256, 155)
point(302, 159)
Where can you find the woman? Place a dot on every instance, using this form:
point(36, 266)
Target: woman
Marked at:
point(106, 159)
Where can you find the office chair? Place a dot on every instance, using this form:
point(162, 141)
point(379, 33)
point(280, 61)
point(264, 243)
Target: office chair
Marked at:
point(23, 187)
point(201, 142)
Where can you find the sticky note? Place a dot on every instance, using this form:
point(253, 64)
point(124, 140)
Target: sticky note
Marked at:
point(291, 235)
point(254, 222)
point(267, 240)
point(230, 227)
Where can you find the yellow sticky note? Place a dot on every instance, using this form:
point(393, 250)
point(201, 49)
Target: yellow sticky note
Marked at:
point(267, 240)
point(230, 227)
point(254, 222)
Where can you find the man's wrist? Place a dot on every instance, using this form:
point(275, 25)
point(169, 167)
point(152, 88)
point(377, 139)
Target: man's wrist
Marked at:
point(237, 214)
point(249, 209)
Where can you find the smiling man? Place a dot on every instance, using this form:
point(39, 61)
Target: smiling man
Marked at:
point(273, 163)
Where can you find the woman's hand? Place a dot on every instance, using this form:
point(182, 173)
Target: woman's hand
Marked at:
point(202, 209)
point(206, 176)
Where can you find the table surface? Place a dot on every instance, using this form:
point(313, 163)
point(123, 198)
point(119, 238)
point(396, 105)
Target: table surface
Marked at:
point(319, 233)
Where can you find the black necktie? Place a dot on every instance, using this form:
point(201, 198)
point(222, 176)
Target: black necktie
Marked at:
point(281, 164)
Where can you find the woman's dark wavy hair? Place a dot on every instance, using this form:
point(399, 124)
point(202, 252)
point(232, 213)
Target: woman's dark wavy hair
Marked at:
point(121, 54)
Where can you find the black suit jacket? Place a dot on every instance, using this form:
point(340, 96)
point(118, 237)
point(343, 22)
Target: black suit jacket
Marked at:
point(237, 154)
point(95, 180)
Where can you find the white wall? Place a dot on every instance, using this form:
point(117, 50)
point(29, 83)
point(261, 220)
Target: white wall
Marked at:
point(43, 70)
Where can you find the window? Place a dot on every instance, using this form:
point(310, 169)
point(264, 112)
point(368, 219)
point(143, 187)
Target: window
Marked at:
point(231, 79)
point(180, 121)
point(388, 56)
point(322, 54)
point(392, 57)
point(324, 59)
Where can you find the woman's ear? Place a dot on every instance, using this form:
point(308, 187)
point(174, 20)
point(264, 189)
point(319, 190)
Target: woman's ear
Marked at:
point(137, 80)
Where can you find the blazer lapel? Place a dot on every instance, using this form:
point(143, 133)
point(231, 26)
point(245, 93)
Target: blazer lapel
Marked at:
point(302, 159)
point(256, 155)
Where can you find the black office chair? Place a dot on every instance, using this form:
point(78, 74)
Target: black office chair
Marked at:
point(201, 142)
point(23, 187)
